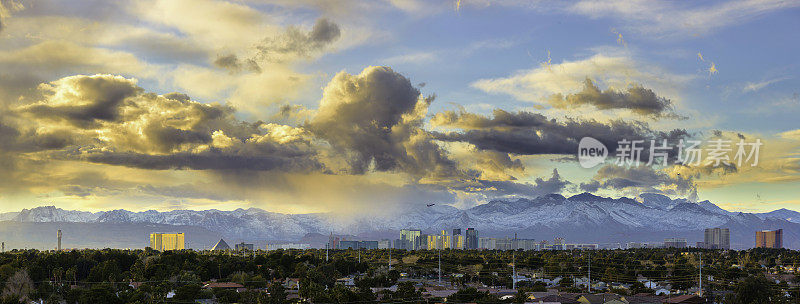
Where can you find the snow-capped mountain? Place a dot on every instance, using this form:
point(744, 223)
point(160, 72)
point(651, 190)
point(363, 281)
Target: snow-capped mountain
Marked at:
point(580, 218)
point(53, 214)
point(786, 214)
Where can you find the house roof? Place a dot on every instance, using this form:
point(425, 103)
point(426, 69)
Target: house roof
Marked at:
point(684, 299)
point(557, 299)
point(223, 285)
point(644, 299)
point(600, 298)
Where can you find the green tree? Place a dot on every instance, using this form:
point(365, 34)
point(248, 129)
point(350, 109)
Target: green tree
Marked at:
point(99, 294)
point(277, 294)
point(18, 287)
point(755, 290)
point(187, 293)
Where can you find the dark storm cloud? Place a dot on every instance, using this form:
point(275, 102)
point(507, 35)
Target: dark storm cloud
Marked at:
point(376, 117)
point(528, 133)
point(32, 140)
point(167, 138)
point(502, 188)
point(95, 98)
point(123, 125)
point(640, 179)
point(636, 98)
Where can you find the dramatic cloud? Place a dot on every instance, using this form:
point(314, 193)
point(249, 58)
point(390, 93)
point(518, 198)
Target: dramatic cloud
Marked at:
point(120, 124)
point(503, 188)
point(531, 133)
point(636, 98)
point(85, 101)
point(641, 179)
point(376, 116)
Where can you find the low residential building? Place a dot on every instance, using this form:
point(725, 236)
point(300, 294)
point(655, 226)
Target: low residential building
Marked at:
point(554, 299)
point(348, 281)
point(223, 285)
point(643, 299)
point(291, 283)
point(601, 298)
point(685, 299)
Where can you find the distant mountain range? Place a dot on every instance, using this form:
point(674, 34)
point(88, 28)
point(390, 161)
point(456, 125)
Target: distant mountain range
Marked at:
point(580, 218)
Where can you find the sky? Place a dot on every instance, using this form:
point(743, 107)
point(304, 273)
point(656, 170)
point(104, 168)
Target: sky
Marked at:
point(356, 106)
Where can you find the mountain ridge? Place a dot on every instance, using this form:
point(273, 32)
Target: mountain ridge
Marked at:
point(575, 218)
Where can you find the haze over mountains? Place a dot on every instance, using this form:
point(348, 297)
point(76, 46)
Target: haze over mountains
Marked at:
point(581, 218)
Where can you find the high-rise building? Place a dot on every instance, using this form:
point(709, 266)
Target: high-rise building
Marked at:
point(769, 238)
point(333, 242)
point(503, 244)
point(369, 244)
point(442, 241)
point(59, 240)
point(471, 239)
point(674, 243)
point(457, 239)
point(486, 243)
point(348, 245)
point(243, 246)
point(457, 242)
point(717, 238)
point(384, 244)
point(167, 241)
point(411, 239)
point(525, 244)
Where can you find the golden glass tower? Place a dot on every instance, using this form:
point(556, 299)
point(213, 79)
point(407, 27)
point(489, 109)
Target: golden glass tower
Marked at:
point(167, 241)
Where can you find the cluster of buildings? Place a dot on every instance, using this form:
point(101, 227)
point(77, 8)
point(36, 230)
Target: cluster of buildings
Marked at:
point(416, 240)
point(718, 238)
point(177, 241)
point(410, 239)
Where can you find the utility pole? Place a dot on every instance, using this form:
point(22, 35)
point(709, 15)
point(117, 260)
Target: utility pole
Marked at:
point(589, 286)
point(441, 239)
point(359, 254)
point(326, 250)
point(514, 263)
point(701, 274)
point(390, 255)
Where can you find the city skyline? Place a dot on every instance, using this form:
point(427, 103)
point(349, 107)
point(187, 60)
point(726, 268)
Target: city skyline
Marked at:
point(371, 106)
